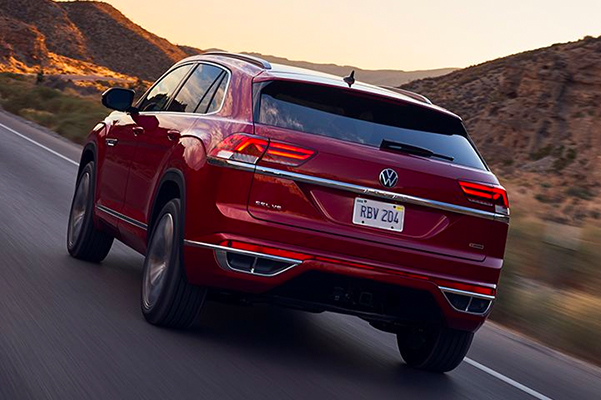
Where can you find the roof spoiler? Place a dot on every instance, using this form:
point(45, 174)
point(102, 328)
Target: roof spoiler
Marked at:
point(413, 95)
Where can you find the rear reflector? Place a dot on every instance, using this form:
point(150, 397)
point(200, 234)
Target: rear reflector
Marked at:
point(250, 149)
point(485, 194)
point(485, 290)
point(265, 250)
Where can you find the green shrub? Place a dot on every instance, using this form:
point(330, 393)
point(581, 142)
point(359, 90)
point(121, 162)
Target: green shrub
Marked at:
point(542, 198)
point(43, 118)
point(541, 153)
point(579, 192)
point(68, 114)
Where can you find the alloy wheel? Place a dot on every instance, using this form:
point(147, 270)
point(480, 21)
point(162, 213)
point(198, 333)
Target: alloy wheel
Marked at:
point(159, 256)
point(79, 208)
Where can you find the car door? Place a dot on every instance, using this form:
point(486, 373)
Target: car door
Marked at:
point(162, 127)
point(116, 149)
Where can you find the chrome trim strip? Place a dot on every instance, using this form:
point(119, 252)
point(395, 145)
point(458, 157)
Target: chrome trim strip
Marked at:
point(122, 217)
point(223, 263)
point(466, 293)
point(221, 162)
point(383, 194)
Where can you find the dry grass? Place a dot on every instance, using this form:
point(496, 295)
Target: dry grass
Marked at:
point(68, 114)
point(550, 285)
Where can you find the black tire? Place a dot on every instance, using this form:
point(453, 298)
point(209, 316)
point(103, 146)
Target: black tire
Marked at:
point(85, 242)
point(171, 302)
point(434, 350)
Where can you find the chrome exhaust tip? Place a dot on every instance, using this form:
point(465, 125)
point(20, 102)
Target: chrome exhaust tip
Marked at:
point(254, 263)
point(248, 261)
point(468, 302)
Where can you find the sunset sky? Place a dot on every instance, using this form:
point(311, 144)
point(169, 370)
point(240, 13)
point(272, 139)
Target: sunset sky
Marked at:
point(376, 34)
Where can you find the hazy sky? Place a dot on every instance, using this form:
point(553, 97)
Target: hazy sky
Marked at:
point(375, 34)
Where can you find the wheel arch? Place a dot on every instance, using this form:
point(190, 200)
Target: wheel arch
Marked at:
point(172, 185)
point(88, 154)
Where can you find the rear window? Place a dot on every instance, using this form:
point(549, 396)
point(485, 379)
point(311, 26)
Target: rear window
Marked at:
point(356, 117)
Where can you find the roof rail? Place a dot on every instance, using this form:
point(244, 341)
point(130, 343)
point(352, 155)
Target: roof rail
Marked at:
point(413, 95)
point(259, 62)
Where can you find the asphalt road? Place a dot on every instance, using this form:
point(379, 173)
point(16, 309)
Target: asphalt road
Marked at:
point(73, 330)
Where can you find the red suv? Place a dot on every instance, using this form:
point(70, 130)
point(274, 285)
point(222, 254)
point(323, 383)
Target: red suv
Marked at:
point(247, 181)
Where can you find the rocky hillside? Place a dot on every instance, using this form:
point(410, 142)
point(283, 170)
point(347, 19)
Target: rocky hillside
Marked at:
point(92, 37)
point(536, 117)
point(84, 37)
point(59, 34)
point(112, 40)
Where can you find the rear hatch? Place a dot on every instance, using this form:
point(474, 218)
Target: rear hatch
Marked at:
point(367, 167)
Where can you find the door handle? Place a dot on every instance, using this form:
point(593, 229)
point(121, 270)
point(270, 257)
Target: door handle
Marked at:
point(111, 142)
point(138, 130)
point(173, 134)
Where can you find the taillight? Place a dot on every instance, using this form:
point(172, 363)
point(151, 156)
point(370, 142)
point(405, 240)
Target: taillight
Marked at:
point(241, 147)
point(485, 194)
point(282, 153)
point(250, 149)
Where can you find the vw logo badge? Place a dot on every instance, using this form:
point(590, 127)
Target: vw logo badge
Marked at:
point(388, 177)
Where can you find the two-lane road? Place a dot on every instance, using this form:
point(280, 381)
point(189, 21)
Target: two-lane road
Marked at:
point(73, 330)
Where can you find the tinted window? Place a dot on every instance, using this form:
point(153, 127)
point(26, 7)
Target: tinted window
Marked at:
point(355, 117)
point(219, 95)
point(159, 95)
point(198, 86)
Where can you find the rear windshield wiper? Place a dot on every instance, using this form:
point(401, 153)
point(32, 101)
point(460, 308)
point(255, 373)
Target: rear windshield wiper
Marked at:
point(410, 149)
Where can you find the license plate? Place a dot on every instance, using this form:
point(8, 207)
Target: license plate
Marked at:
point(378, 214)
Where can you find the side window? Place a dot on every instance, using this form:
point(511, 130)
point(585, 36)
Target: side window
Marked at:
point(160, 94)
point(197, 88)
point(218, 95)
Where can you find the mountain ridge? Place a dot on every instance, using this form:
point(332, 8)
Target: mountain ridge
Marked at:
point(80, 37)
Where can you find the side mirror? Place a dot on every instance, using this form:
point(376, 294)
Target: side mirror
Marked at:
point(118, 99)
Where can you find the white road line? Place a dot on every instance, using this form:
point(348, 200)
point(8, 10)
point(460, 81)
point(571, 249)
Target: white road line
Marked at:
point(471, 362)
point(39, 144)
point(507, 380)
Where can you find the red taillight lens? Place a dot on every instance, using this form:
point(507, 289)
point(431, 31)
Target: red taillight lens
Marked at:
point(249, 149)
point(485, 194)
point(265, 250)
point(489, 291)
point(282, 153)
point(241, 147)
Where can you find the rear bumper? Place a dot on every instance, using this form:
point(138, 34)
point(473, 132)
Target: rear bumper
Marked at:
point(325, 281)
point(217, 214)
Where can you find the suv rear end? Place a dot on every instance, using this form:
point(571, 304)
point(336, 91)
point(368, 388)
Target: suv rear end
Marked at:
point(355, 200)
